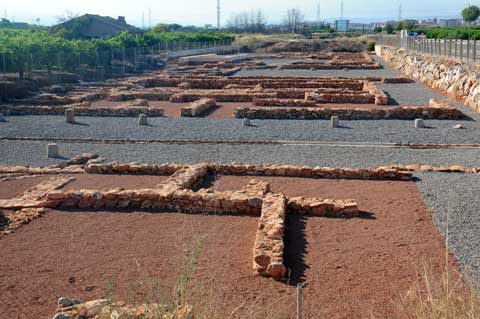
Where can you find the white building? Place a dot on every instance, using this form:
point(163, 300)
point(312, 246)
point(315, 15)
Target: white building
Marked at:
point(450, 23)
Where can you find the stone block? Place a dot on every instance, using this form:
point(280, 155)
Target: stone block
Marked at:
point(53, 151)
point(419, 123)
point(70, 116)
point(334, 122)
point(142, 119)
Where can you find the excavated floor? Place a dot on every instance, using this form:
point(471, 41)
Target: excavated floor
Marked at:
point(352, 267)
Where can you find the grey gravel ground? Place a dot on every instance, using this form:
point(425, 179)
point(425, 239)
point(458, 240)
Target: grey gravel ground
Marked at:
point(390, 73)
point(455, 197)
point(34, 153)
point(382, 131)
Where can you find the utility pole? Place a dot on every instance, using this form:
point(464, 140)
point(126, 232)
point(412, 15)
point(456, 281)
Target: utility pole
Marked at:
point(318, 12)
point(218, 14)
point(400, 12)
point(143, 20)
point(341, 10)
point(149, 18)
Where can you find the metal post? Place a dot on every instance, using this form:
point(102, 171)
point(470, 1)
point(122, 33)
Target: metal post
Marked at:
point(468, 50)
point(456, 48)
point(474, 50)
point(123, 60)
point(134, 59)
point(299, 300)
point(461, 49)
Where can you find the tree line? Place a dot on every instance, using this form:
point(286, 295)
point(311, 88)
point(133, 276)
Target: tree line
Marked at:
point(24, 50)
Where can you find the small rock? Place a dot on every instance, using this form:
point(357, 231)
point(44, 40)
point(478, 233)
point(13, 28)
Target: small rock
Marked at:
point(246, 122)
point(62, 316)
point(458, 127)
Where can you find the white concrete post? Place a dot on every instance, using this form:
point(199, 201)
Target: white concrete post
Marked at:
point(52, 151)
point(334, 122)
point(142, 119)
point(419, 123)
point(69, 116)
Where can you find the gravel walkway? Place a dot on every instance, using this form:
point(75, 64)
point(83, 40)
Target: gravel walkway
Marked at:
point(34, 153)
point(206, 129)
point(456, 196)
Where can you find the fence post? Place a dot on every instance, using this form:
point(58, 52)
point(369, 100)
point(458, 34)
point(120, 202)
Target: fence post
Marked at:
point(474, 50)
point(461, 49)
point(134, 59)
point(299, 300)
point(456, 48)
point(5, 73)
point(468, 49)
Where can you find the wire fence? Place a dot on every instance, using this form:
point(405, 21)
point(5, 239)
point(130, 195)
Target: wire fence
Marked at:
point(34, 70)
point(465, 50)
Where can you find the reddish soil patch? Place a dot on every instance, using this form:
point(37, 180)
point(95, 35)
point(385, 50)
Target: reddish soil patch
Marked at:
point(224, 110)
point(353, 268)
point(15, 187)
point(77, 253)
point(357, 268)
point(105, 182)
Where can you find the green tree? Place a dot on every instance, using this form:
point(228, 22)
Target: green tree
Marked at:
point(388, 28)
point(471, 13)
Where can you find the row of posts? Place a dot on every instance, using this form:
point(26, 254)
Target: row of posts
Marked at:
point(456, 48)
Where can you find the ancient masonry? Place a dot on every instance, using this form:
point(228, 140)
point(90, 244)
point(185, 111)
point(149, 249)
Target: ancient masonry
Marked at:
point(436, 110)
point(450, 76)
point(176, 194)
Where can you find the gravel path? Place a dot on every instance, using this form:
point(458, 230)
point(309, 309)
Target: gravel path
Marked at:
point(456, 195)
point(206, 129)
point(34, 153)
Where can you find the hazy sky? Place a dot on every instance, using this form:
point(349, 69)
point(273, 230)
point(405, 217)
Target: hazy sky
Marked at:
point(200, 12)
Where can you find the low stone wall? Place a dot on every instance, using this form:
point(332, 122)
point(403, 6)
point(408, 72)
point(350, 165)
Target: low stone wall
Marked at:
point(157, 94)
point(358, 98)
point(19, 218)
point(269, 247)
point(256, 170)
point(323, 207)
point(459, 80)
point(219, 96)
point(36, 196)
point(399, 112)
point(380, 97)
point(198, 107)
point(82, 111)
point(284, 102)
point(132, 168)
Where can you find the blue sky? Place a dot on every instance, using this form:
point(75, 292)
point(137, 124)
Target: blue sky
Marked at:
point(200, 12)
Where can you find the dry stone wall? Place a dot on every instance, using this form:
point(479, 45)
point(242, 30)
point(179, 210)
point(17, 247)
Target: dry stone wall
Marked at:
point(198, 107)
point(459, 80)
point(269, 246)
point(308, 113)
point(81, 110)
